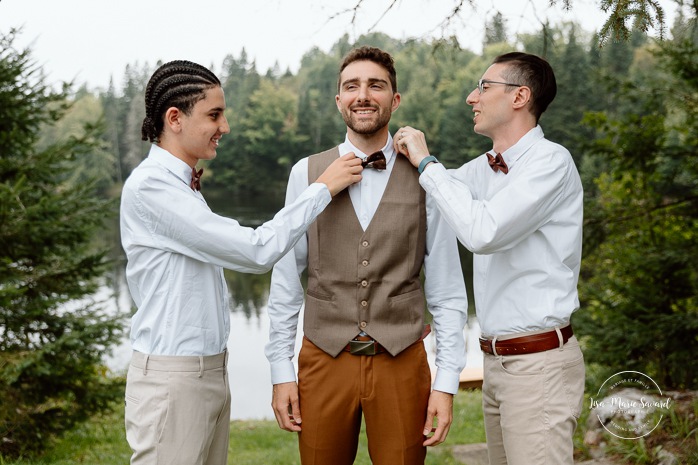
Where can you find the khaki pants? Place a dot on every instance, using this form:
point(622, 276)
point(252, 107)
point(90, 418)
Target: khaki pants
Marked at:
point(391, 392)
point(531, 404)
point(178, 410)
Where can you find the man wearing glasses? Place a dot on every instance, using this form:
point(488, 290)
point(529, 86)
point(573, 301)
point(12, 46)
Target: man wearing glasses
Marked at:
point(518, 208)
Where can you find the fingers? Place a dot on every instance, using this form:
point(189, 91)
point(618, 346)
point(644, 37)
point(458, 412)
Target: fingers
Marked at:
point(428, 425)
point(399, 142)
point(286, 406)
point(412, 143)
point(343, 172)
point(294, 412)
point(439, 436)
point(441, 408)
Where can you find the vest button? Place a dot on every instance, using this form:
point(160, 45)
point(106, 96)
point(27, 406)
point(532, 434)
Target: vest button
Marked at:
point(363, 325)
point(365, 243)
point(364, 283)
point(364, 262)
point(364, 303)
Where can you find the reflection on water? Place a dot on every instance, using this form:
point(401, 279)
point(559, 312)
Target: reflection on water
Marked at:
point(248, 369)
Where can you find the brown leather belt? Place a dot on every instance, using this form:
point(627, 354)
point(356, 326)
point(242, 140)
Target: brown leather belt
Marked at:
point(527, 344)
point(364, 345)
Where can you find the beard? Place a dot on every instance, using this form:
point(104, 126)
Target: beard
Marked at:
point(366, 126)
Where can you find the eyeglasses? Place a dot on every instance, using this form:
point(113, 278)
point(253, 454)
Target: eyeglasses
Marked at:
point(481, 84)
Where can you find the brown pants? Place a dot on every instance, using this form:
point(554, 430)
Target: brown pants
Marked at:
point(391, 392)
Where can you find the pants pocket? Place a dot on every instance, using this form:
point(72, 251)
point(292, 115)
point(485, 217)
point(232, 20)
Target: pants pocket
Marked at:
point(573, 374)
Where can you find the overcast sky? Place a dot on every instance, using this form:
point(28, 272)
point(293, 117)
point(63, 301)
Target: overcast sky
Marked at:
point(91, 41)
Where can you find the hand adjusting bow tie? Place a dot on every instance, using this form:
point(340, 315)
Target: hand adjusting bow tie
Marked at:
point(375, 160)
point(195, 183)
point(497, 163)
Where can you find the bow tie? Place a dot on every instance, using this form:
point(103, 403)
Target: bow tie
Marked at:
point(375, 160)
point(195, 183)
point(497, 163)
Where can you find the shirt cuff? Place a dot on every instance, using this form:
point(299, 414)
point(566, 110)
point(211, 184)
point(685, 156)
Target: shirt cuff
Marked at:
point(446, 382)
point(320, 190)
point(431, 178)
point(283, 372)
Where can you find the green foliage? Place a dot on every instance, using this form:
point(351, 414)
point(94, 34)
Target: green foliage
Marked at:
point(254, 442)
point(52, 338)
point(496, 30)
point(640, 278)
point(636, 154)
point(643, 13)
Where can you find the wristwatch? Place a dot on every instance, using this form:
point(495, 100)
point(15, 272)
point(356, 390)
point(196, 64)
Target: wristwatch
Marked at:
point(423, 164)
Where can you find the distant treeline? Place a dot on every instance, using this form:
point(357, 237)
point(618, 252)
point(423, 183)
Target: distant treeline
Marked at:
point(626, 111)
point(278, 117)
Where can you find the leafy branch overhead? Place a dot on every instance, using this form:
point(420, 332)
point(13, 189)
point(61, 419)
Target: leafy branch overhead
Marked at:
point(623, 15)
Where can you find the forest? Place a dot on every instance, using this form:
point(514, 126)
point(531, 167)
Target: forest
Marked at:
point(627, 112)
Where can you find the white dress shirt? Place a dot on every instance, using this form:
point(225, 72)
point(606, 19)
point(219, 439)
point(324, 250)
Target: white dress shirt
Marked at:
point(177, 248)
point(444, 286)
point(525, 229)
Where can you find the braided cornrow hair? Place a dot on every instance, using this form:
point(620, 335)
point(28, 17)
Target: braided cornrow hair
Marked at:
point(178, 84)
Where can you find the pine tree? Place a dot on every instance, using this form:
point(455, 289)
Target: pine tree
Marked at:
point(52, 335)
point(639, 288)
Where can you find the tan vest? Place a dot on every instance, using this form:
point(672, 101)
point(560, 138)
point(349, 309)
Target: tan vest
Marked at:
point(367, 280)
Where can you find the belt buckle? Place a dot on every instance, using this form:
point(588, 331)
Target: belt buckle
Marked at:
point(487, 345)
point(362, 347)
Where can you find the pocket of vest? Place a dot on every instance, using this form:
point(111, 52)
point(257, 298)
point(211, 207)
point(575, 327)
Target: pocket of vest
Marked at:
point(318, 295)
point(407, 308)
point(407, 297)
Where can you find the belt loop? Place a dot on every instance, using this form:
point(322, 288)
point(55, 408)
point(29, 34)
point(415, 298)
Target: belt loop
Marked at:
point(201, 366)
point(145, 365)
point(494, 346)
point(559, 337)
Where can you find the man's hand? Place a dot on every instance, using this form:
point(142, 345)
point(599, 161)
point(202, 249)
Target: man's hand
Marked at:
point(412, 143)
point(286, 407)
point(441, 408)
point(342, 173)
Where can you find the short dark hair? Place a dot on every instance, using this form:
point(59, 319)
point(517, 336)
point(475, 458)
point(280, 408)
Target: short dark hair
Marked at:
point(533, 72)
point(178, 84)
point(373, 54)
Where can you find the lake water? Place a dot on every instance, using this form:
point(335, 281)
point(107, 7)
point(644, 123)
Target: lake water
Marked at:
point(248, 369)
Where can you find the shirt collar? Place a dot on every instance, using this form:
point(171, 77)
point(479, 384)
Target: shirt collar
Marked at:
point(346, 147)
point(173, 164)
point(517, 150)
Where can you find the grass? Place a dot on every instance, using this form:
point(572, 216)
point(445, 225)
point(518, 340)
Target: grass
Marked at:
point(103, 441)
point(676, 434)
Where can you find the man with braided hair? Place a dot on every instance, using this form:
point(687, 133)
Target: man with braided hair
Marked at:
point(177, 395)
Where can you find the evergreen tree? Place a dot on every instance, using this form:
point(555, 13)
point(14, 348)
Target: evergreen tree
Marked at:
point(496, 30)
point(639, 286)
point(562, 120)
point(318, 118)
point(239, 80)
point(52, 335)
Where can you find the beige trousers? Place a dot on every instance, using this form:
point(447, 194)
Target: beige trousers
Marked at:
point(178, 410)
point(531, 404)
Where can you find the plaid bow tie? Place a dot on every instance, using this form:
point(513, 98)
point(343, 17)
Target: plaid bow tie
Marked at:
point(375, 160)
point(195, 183)
point(497, 163)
